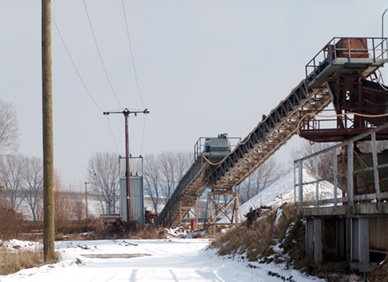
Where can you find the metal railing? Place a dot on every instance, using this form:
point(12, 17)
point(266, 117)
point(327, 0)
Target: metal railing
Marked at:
point(375, 50)
point(344, 182)
point(329, 119)
point(199, 146)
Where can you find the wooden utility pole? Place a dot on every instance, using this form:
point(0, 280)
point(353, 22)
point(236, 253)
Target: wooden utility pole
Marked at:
point(126, 113)
point(86, 200)
point(48, 163)
point(127, 170)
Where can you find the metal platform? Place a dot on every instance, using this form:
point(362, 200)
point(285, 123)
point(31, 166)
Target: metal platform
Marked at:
point(346, 55)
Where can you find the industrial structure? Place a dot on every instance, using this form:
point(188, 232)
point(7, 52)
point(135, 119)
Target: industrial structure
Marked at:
point(343, 74)
point(351, 228)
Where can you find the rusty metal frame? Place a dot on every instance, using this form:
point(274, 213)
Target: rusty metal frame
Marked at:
point(350, 198)
point(214, 205)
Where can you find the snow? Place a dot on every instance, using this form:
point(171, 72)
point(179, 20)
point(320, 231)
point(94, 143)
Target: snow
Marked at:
point(18, 244)
point(172, 259)
point(282, 191)
point(149, 260)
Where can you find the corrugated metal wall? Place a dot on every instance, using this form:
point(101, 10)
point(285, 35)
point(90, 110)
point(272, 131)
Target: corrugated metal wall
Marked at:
point(378, 233)
point(137, 199)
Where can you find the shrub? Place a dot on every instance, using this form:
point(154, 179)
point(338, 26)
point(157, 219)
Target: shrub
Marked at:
point(11, 224)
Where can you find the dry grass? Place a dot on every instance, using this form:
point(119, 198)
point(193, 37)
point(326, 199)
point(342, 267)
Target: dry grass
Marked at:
point(381, 272)
point(256, 240)
point(13, 261)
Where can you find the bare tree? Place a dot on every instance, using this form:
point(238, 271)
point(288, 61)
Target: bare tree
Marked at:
point(183, 161)
point(167, 171)
point(261, 178)
point(103, 170)
point(11, 178)
point(32, 175)
point(162, 174)
point(152, 180)
point(172, 168)
point(79, 209)
point(322, 164)
point(64, 204)
point(9, 132)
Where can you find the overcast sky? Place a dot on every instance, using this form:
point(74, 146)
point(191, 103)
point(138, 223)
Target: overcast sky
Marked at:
point(204, 68)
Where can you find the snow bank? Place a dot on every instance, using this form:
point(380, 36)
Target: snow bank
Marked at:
point(282, 191)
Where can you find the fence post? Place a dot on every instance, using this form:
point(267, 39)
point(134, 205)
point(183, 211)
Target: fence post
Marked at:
point(350, 184)
point(375, 170)
point(300, 186)
point(335, 177)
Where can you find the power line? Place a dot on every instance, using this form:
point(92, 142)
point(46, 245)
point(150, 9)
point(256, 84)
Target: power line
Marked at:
point(82, 81)
point(135, 73)
point(133, 60)
point(142, 137)
point(74, 66)
point(111, 131)
point(99, 54)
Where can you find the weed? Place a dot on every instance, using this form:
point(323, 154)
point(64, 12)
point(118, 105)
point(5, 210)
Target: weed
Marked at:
point(13, 261)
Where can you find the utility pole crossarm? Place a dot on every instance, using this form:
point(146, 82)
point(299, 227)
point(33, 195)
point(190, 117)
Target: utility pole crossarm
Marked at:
point(126, 113)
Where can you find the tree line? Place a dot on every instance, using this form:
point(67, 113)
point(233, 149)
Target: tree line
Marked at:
point(21, 177)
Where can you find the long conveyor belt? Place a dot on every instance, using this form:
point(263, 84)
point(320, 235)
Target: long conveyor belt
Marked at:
point(271, 133)
point(310, 97)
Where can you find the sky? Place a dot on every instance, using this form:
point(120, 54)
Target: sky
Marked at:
point(203, 68)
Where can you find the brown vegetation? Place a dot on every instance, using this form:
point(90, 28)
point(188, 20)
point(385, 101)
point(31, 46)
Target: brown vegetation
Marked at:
point(11, 262)
point(11, 224)
point(256, 240)
point(381, 272)
point(125, 230)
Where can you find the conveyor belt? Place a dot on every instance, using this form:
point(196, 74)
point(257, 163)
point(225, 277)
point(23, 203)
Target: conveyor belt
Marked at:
point(183, 199)
point(310, 97)
point(271, 133)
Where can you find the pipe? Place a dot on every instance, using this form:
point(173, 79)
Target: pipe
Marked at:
point(382, 24)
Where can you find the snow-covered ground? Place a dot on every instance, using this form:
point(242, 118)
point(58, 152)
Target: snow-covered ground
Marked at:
point(148, 260)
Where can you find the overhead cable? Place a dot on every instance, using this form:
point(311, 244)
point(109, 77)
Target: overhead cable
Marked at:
point(99, 54)
point(111, 131)
point(82, 81)
point(75, 67)
point(131, 52)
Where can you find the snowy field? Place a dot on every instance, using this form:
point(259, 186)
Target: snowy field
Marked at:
point(170, 259)
point(148, 260)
